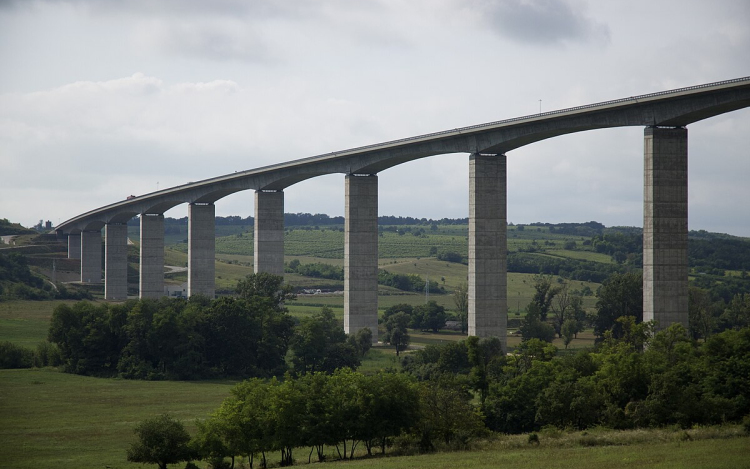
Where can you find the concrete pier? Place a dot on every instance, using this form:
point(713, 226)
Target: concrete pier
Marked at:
point(91, 256)
point(201, 249)
point(361, 254)
point(488, 284)
point(115, 261)
point(269, 232)
point(665, 226)
point(151, 283)
point(74, 246)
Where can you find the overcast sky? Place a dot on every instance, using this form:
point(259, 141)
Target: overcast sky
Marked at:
point(102, 99)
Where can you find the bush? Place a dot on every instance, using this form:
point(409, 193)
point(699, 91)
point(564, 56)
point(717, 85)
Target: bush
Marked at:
point(746, 424)
point(47, 354)
point(14, 356)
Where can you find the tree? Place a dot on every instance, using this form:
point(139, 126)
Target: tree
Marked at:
point(266, 285)
point(544, 295)
point(621, 295)
point(429, 316)
point(162, 440)
point(399, 308)
point(480, 354)
point(533, 327)
point(700, 318)
point(737, 313)
point(319, 344)
point(447, 415)
point(566, 306)
point(568, 330)
point(396, 333)
point(361, 341)
point(461, 300)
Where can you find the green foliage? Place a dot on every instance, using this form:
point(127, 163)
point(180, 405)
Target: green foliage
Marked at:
point(173, 338)
point(267, 286)
point(8, 228)
point(461, 301)
point(430, 316)
point(545, 293)
point(319, 343)
point(15, 356)
point(621, 295)
point(568, 331)
point(18, 282)
point(361, 341)
point(162, 440)
point(446, 415)
point(533, 327)
point(316, 270)
point(407, 282)
point(717, 253)
point(396, 332)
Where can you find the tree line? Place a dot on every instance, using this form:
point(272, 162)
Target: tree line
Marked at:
point(405, 282)
point(245, 336)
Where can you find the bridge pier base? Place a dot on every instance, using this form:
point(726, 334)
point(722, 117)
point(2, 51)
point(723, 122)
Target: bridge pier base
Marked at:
point(91, 256)
point(361, 254)
point(488, 284)
point(268, 255)
point(74, 246)
point(151, 282)
point(665, 226)
point(115, 261)
point(201, 249)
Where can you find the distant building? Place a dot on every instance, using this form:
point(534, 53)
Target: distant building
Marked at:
point(176, 291)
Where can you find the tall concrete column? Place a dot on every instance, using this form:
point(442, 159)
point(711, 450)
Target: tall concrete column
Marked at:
point(269, 232)
point(91, 256)
point(74, 246)
point(151, 283)
point(488, 283)
point(361, 254)
point(201, 249)
point(115, 261)
point(665, 226)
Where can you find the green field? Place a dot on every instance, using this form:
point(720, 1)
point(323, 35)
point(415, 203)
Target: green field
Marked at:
point(53, 419)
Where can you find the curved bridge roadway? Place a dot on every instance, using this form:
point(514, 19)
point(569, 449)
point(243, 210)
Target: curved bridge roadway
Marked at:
point(664, 115)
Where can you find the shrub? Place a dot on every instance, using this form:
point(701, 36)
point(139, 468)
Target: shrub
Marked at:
point(15, 356)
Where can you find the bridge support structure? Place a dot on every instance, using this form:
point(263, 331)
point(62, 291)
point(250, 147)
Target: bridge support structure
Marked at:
point(151, 282)
point(665, 226)
point(91, 256)
point(201, 249)
point(488, 278)
point(268, 249)
point(116, 261)
point(361, 254)
point(74, 246)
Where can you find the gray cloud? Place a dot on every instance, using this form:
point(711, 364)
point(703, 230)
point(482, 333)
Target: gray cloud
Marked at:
point(542, 21)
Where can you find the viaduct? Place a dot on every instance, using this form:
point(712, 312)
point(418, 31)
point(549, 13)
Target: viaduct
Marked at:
point(664, 115)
